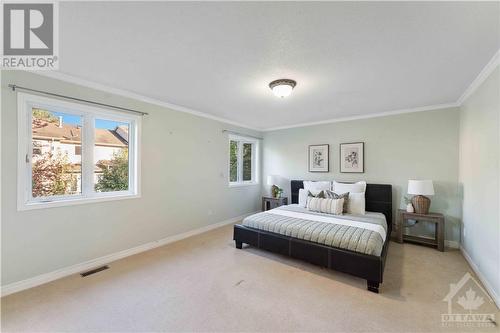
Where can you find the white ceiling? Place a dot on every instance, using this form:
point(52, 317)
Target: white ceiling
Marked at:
point(349, 59)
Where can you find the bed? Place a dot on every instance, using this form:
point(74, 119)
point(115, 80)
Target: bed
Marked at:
point(315, 238)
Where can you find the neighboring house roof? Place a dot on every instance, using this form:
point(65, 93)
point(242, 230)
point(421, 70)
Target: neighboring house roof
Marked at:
point(43, 130)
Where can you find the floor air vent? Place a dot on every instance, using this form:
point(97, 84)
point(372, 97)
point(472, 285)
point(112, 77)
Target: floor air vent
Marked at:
point(93, 271)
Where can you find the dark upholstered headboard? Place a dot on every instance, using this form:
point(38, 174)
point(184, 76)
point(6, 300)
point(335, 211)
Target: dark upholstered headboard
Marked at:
point(378, 198)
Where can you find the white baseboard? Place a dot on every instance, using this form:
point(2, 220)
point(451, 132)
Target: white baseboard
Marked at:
point(87, 265)
point(481, 277)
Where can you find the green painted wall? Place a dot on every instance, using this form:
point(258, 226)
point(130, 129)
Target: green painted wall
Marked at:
point(421, 145)
point(184, 187)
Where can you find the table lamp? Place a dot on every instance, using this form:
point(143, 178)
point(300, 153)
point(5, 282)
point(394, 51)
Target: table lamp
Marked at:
point(420, 188)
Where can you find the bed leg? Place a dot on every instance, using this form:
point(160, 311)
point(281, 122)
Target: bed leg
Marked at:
point(239, 245)
point(372, 286)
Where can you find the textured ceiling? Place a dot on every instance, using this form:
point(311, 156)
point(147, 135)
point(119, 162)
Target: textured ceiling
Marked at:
point(348, 58)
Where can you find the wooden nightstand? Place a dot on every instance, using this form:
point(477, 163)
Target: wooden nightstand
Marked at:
point(270, 202)
point(436, 218)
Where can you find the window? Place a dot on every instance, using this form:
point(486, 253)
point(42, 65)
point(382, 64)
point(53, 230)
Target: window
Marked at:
point(72, 153)
point(243, 164)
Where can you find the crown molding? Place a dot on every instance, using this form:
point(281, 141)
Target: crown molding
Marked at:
point(129, 94)
point(367, 116)
point(480, 78)
point(476, 83)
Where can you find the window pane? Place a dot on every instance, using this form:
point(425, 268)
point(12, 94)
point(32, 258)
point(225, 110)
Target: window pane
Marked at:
point(247, 161)
point(233, 161)
point(111, 170)
point(55, 168)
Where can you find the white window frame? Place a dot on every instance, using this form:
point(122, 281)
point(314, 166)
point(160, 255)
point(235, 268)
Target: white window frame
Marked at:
point(25, 199)
point(255, 161)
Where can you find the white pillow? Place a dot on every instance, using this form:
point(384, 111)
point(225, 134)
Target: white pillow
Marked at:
point(356, 203)
point(316, 187)
point(329, 206)
point(303, 197)
point(359, 187)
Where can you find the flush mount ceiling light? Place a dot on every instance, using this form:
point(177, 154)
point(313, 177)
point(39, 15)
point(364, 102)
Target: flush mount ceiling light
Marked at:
point(282, 87)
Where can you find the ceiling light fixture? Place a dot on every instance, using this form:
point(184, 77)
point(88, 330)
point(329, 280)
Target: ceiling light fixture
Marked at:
point(282, 87)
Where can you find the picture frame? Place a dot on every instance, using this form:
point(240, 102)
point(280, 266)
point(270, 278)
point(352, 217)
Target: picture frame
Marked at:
point(319, 158)
point(352, 157)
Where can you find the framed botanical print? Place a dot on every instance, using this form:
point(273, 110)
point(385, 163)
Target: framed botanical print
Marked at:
point(319, 158)
point(352, 157)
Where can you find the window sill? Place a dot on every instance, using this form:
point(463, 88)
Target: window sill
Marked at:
point(243, 184)
point(75, 201)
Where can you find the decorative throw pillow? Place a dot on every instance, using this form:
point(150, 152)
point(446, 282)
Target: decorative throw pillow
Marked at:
point(328, 206)
point(333, 195)
point(320, 194)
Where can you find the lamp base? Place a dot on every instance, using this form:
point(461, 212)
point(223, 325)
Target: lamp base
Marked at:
point(274, 191)
point(421, 204)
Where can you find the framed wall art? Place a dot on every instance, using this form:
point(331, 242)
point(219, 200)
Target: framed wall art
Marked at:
point(319, 158)
point(352, 157)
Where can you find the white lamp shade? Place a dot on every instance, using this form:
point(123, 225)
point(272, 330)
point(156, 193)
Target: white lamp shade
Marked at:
point(271, 180)
point(420, 187)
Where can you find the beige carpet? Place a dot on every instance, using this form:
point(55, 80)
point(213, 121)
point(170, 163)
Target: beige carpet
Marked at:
point(205, 284)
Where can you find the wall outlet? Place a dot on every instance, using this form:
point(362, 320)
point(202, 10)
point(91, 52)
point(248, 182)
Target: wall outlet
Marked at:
point(210, 212)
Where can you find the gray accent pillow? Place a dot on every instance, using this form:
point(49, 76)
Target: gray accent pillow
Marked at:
point(320, 195)
point(332, 195)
